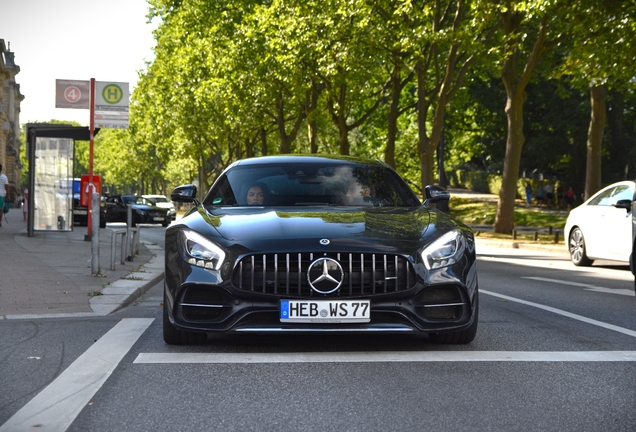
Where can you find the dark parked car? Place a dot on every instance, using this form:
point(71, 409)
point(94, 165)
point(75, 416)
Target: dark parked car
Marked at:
point(143, 212)
point(330, 244)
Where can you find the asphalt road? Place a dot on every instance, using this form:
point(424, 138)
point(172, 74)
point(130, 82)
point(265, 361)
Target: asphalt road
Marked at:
point(555, 350)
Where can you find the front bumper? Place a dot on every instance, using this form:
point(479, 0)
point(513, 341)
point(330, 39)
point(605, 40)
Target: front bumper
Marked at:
point(209, 308)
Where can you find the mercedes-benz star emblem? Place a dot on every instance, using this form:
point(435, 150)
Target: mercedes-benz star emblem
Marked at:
point(325, 275)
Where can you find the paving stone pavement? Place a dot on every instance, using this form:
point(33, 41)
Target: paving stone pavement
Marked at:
point(49, 274)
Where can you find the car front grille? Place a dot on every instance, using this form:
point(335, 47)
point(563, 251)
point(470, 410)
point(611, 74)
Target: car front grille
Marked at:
point(286, 274)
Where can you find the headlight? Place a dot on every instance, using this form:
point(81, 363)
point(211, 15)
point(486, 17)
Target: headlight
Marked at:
point(140, 212)
point(444, 251)
point(199, 251)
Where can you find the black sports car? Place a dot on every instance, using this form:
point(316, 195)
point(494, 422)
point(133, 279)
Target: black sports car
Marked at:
point(143, 211)
point(317, 244)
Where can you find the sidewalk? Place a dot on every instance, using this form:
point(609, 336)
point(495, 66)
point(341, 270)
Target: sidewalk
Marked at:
point(48, 275)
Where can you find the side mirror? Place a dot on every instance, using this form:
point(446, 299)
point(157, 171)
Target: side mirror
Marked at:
point(186, 194)
point(624, 204)
point(435, 194)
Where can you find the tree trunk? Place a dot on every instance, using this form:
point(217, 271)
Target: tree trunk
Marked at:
point(312, 124)
point(312, 130)
point(342, 120)
point(426, 158)
point(515, 84)
point(396, 90)
point(344, 138)
point(263, 142)
point(504, 221)
point(595, 141)
point(441, 169)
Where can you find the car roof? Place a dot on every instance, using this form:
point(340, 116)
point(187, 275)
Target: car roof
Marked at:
point(310, 158)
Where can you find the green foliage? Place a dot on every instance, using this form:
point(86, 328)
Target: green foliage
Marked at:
point(483, 213)
point(244, 78)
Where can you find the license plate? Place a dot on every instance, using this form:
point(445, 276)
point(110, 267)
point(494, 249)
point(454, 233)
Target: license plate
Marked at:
point(157, 218)
point(325, 311)
point(80, 212)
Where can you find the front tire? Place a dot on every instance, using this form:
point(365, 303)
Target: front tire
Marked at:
point(174, 336)
point(576, 246)
point(460, 337)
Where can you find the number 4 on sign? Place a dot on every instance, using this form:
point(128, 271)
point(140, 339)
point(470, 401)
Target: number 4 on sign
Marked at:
point(72, 94)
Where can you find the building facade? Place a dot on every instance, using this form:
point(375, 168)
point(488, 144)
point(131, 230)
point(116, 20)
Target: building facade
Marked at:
point(10, 99)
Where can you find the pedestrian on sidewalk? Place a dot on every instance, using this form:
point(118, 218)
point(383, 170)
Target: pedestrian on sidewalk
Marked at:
point(4, 188)
point(25, 204)
point(528, 194)
point(540, 195)
point(569, 198)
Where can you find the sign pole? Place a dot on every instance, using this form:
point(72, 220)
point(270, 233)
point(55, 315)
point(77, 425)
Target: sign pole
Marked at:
point(90, 163)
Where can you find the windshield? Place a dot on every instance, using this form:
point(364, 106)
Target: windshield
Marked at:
point(157, 199)
point(132, 199)
point(305, 184)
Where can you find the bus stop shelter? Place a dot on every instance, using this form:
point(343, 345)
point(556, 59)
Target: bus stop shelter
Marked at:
point(51, 151)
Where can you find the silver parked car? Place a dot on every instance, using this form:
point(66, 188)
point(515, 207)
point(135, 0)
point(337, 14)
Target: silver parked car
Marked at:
point(601, 227)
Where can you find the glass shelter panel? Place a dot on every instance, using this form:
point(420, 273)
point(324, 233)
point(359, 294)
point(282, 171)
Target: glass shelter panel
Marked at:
point(53, 184)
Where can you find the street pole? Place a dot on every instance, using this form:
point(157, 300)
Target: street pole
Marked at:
point(90, 186)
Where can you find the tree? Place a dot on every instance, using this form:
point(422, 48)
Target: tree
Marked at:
point(525, 38)
point(601, 57)
point(449, 44)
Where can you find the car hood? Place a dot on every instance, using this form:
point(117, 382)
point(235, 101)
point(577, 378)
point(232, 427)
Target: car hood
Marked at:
point(387, 228)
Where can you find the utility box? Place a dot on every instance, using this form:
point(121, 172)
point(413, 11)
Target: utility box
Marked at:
point(85, 193)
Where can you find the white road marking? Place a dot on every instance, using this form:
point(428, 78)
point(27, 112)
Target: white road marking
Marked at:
point(57, 406)
point(563, 313)
point(587, 287)
point(403, 356)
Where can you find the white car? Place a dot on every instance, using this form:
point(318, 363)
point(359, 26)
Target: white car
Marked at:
point(601, 227)
point(163, 202)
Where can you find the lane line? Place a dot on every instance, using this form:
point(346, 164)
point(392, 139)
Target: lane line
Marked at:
point(581, 318)
point(373, 357)
point(57, 406)
point(586, 287)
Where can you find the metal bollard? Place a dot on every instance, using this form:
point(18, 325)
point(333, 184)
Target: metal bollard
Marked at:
point(514, 234)
point(135, 245)
point(113, 241)
point(556, 236)
point(95, 267)
point(123, 248)
point(536, 235)
point(113, 244)
point(129, 219)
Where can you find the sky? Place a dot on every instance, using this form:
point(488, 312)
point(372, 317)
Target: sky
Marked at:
point(108, 40)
